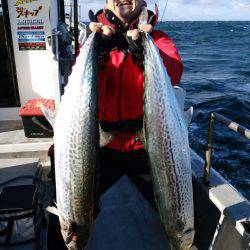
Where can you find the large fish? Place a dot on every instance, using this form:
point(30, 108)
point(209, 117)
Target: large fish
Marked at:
point(76, 138)
point(166, 141)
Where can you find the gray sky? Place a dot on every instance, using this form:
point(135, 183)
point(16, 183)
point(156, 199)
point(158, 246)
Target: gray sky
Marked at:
point(188, 9)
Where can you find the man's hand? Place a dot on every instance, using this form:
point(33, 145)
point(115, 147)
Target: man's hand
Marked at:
point(135, 41)
point(135, 34)
point(109, 39)
point(106, 39)
point(104, 29)
point(148, 28)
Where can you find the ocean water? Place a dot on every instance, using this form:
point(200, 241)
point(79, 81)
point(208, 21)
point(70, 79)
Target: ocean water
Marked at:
point(216, 58)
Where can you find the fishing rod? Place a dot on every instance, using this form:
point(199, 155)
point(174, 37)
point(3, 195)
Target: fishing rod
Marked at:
point(163, 14)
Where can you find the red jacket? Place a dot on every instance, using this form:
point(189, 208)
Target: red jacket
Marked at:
point(120, 88)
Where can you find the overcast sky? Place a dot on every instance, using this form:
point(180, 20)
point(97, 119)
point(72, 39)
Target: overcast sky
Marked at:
point(188, 9)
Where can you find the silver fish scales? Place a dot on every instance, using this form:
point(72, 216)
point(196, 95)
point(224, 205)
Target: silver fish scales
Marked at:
point(166, 141)
point(76, 137)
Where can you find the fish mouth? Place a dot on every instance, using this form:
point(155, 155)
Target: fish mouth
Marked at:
point(73, 240)
point(73, 235)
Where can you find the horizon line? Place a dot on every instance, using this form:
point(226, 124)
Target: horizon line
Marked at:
point(219, 20)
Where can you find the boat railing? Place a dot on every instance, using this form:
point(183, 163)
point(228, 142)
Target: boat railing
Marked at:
point(209, 146)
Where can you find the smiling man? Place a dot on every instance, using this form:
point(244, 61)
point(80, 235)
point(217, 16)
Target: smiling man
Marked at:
point(127, 10)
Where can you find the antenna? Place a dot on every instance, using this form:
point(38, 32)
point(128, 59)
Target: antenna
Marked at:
point(163, 14)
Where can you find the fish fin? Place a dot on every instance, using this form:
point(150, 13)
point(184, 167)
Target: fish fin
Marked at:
point(105, 137)
point(53, 210)
point(49, 114)
point(188, 115)
point(141, 135)
point(180, 95)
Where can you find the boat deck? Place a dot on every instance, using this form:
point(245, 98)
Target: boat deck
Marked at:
point(14, 144)
point(126, 220)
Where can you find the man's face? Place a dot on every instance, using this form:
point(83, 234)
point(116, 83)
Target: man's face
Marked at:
point(126, 10)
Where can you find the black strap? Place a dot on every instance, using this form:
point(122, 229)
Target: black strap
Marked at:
point(18, 217)
point(115, 20)
point(122, 126)
point(92, 16)
point(44, 221)
point(9, 231)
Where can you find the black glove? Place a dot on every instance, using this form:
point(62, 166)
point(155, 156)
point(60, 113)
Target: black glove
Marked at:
point(104, 45)
point(108, 43)
point(135, 48)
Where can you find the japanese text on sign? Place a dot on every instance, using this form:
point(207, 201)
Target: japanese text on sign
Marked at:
point(23, 12)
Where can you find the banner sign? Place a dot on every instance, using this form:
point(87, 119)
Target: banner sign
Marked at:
point(30, 24)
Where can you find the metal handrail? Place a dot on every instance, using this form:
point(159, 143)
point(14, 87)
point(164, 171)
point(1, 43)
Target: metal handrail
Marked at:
point(209, 147)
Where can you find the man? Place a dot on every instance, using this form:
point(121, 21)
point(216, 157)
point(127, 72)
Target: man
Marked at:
point(120, 90)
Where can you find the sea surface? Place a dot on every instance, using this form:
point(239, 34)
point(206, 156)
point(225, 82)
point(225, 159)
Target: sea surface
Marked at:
point(216, 58)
